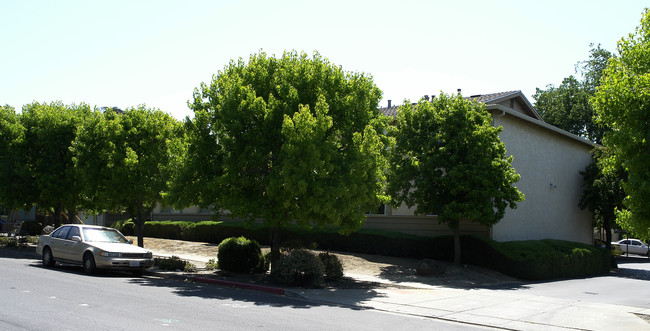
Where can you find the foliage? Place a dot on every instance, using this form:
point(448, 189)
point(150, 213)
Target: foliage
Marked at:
point(602, 193)
point(622, 102)
point(174, 263)
point(49, 130)
point(537, 259)
point(448, 160)
point(300, 267)
point(14, 174)
point(333, 269)
point(31, 228)
point(240, 255)
point(567, 106)
point(290, 139)
point(211, 264)
point(137, 151)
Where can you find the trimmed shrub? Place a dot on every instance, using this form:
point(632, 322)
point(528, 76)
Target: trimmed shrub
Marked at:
point(332, 266)
point(536, 259)
point(238, 254)
point(300, 267)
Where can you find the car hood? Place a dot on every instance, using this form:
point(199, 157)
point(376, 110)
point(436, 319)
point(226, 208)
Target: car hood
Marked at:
point(119, 247)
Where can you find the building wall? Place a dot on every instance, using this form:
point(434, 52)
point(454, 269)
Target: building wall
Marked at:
point(549, 164)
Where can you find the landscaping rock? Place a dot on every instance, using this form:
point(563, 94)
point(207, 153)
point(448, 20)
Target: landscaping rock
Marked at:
point(428, 267)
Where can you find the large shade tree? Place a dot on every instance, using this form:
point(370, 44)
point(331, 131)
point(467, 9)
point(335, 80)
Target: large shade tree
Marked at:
point(13, 170)
point(567, 106)
point(297, 139)
point(448, 161)
point(622, 102)
point(49, 130)
point(603, 193)
point(125, 161)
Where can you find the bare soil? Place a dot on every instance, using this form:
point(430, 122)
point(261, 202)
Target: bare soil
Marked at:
point(360, 270)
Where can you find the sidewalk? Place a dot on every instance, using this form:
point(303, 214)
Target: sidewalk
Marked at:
point(503, 309)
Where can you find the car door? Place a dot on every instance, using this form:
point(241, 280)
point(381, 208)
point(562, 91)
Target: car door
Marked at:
point(74, 248)
point(58, 242)
point(637, 247)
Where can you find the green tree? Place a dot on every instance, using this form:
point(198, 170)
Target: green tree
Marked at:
point(567, 106)
point(195, 182)
point(622, 102)
point(49, 132)
point(602, 194)
point(13, 172)
point(449, 161)
point(125, 160)
point(297, 139)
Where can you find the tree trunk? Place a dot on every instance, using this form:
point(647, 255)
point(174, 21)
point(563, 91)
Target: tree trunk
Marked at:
point(57, 215)
point(608, 234)
point(139, 222)
point(457, 246)
point(275, 248)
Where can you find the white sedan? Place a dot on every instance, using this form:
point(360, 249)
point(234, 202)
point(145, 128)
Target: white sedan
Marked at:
point(633, 246)
point(93, 247)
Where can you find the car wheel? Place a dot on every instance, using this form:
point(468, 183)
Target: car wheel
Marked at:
point(48, 259)
point(89, 263)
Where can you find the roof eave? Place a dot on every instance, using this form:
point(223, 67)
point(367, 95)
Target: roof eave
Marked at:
point(540, 123)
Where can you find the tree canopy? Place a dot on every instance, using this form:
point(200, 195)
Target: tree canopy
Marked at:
point(296, 138)
point(448, 161)
point(567, 106)
point(49, 130)
point(125, 160)
point(13, 170)
point(622, 102)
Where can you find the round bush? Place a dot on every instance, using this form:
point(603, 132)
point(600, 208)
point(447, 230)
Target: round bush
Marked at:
point(300, 267)
point(238, 254)
point(331, 265)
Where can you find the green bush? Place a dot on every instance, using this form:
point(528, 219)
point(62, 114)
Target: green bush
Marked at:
point(332, 266)
point(126, 227)
point(238, 254)
point(300, 267)
point(170, 263)
point(211, 264)
point(536, 259)
point(31, 228)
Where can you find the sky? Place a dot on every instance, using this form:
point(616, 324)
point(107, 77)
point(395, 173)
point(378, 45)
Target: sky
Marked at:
point(129, 53)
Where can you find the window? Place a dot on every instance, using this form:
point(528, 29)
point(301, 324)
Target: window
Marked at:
point(74, 231)
point(381, 210)
point(62, 233)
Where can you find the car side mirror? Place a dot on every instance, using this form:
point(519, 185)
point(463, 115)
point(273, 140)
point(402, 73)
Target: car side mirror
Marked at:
point(130, 242)
point(76, 238)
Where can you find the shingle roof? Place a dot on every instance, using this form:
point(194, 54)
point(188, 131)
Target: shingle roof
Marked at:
point(488, 99)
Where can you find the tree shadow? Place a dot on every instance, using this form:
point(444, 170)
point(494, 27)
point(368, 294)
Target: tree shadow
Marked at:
point(633, 267)
point(294, 297)
point(454, 276)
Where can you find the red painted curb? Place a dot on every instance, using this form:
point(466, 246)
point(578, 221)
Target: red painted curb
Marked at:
point(261, 288)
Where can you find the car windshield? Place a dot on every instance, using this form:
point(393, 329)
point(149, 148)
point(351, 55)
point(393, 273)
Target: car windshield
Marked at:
point(103, 235)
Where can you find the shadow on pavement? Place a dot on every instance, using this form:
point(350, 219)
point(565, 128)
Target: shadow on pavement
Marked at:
point(186, 288)
point(633, 267)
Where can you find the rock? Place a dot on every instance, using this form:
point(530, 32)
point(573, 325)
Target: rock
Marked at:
point(428, 267)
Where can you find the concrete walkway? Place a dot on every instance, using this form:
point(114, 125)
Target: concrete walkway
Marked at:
point(503, 309)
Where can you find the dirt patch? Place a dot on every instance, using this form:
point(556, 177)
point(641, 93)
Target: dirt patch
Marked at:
point(361, 270)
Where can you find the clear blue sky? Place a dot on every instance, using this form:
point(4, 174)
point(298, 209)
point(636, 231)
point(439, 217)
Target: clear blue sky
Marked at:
point(126, 53)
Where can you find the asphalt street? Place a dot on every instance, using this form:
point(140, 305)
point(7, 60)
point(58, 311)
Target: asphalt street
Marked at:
point(63, 298)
